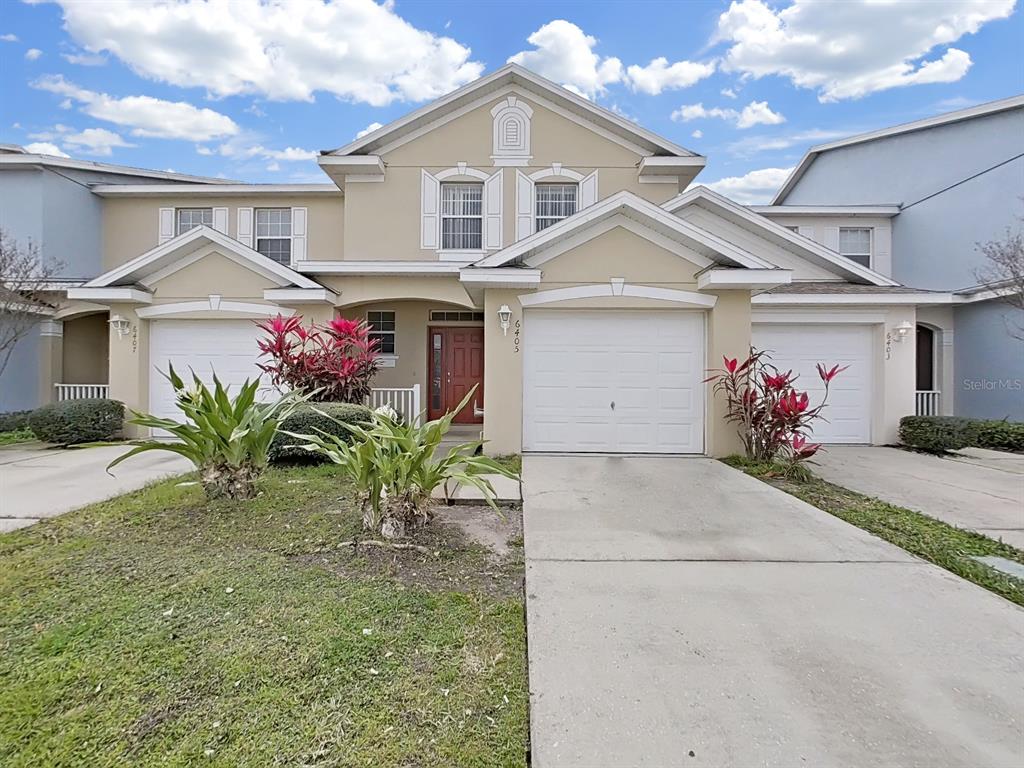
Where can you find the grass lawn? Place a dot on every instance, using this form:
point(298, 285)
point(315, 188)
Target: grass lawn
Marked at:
point(17, 436)
point(158, 629)
point(926, 537)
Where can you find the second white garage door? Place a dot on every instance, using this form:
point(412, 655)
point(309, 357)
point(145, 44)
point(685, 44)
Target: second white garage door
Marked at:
point(227, 347)
point(613, 381)
point(802, 347)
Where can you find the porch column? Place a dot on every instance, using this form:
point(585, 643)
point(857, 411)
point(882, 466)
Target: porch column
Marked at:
point(728, 336)
point(503, 375)
point(129, 364)
point(51, 359)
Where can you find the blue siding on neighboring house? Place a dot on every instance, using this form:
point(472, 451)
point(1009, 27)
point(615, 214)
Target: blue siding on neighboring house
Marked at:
point(961, 185)
point(72, 227)
point(19, 384)
point(989, 363)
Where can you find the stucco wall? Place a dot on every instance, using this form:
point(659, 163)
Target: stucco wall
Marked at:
point(131, 225)
point(19, 383)
point(85, 354)
point(213, 273)
point(989, 362)
point(817, 229)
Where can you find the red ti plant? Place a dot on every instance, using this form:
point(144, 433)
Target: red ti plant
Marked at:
point(336, 361)
point(773, 416)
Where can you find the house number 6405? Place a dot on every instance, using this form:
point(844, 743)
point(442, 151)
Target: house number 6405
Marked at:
point(515, 337)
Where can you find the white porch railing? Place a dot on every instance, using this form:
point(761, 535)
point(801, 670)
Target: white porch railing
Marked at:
point(81, 391)
point(406, 401)
point(927, 401)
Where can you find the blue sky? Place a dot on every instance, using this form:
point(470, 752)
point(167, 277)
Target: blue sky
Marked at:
point(249, 90)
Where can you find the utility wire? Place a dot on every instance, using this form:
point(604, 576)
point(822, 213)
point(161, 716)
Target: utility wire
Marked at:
point(962, 181)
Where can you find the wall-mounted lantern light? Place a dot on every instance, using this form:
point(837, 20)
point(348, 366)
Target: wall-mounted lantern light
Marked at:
point(903, 329)
point(121, 325)
point(505, 318)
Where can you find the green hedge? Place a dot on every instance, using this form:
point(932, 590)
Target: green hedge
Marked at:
point(306, 421)
point(14, 421)
point(951, 433)
point(77, 421)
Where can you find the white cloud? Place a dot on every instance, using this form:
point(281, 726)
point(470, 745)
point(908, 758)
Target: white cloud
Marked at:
point(850, 49)
point(751, 145)
point(660, 76)
point(85, 59)
point(94, 141)
point(755, 113)
point(358, 50)
point(9, 37)
point(32, 54)
point(145, 115)
point(564, 53)
point(247, 147)
point(45, 148)
point(729, 93)
point(369, 129)
point(698, 134)
point(752, 188)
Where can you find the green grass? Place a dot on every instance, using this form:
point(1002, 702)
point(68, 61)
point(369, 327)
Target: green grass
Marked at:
point(17, 436)
point(933, 540)
point(158, 629)
point(511, 461)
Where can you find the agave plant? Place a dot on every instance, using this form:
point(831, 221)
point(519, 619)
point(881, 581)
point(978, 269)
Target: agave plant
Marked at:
point(395, 469)
point(226, 438)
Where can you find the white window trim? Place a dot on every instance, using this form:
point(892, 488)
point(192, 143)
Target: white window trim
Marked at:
point(871, 246)
point(385, 359)
point(526, 196)
point(298, 230)
point(430, 212)
point(177, 217)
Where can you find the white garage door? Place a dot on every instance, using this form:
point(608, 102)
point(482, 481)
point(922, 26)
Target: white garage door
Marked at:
point(802, 347)
point(227, 347)
point(616, 382)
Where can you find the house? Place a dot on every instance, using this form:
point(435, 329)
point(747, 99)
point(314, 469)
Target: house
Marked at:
point(518, 238)
point(915, 202)
point(47, 201)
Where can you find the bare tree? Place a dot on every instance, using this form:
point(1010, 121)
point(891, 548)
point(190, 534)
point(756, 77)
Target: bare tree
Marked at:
point(1003, 271)
point(24, 282)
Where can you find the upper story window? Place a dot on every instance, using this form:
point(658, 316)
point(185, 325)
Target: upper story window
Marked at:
point(190, 218)
point(855, 244)
point(382, 329)
point(274, 233)
point(462, 217)
point(554, 203)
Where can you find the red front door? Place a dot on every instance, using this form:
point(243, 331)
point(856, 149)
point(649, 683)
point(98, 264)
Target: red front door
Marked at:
point(456, 365)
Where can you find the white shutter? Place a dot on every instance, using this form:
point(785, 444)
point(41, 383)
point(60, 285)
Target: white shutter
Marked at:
point(166, 230)
point(832, 238)
point(524, 206)
point(430, 198)
point(245, 226)
point(588, 191)
point(220, 220)
point(299, 233)
point(492, 211)
point(807, 232)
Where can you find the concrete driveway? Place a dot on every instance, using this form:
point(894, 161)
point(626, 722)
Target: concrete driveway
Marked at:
point(38, 482)
point(979, 490)
point(682, 614)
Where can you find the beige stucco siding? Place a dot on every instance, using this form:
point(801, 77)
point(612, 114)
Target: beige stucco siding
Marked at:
point(213, 273)
point(131, 225)
point(363, 289)
point(85, 350)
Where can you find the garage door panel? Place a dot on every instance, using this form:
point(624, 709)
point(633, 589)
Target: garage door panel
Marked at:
point(647, 363)
point(800, 348)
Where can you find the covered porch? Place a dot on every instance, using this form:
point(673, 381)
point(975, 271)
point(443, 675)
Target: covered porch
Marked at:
point(76, 359)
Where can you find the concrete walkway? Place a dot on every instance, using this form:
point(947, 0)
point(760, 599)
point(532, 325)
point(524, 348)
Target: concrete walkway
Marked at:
point(38, 482)
point(682, 614)
point(979, 490)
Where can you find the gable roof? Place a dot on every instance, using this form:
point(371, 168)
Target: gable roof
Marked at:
point(981, 110)
point(513, 74)
point(802, 246)
point(172, 255)
point(15, 156)
point(636, 208)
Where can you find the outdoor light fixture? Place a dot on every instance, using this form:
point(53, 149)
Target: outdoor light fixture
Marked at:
point(505, 318)
point(121, 325)
point(903, 329)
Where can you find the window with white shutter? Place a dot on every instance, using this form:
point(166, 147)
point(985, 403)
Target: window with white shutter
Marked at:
point(462, 221)
point(855, 244)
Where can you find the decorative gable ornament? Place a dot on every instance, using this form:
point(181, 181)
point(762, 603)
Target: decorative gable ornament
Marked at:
point(511, 132)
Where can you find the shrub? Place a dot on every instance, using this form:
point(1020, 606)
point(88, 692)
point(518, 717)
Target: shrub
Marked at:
point(77, 421)
point(773, 417)
point(14, 421)
point(396, 467)
point(938, 434)
point(331, 363)
point(310, 419)
point(226, 438)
